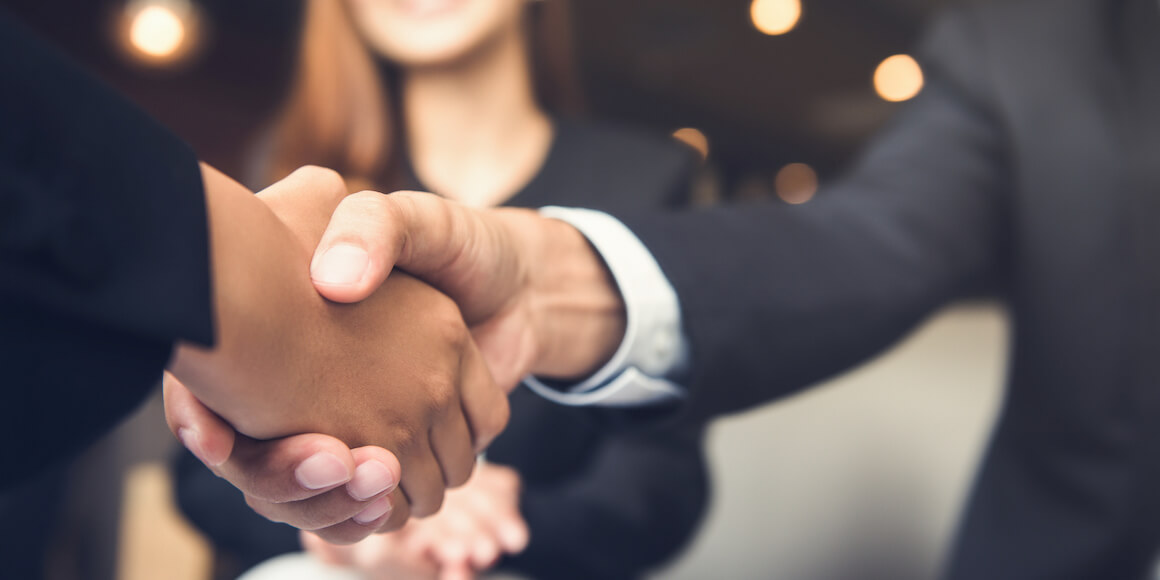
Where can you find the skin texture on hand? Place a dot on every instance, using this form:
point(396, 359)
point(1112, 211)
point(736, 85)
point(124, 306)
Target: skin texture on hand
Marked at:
point(536, 295)
point(298, 479)
point(398, 370)
point(479, 522)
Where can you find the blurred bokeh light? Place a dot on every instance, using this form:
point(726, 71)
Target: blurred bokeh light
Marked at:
point(775, 17)
point(898, 78)
point(693, 138)
point(159, 32)
point(796, 183)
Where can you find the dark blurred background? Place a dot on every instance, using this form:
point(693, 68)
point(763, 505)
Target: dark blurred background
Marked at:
point(761, 101)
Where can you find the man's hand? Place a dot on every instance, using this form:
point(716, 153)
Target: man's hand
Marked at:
point(398, 370)
point(478, 523)
point(309, 481)
point(536, 295)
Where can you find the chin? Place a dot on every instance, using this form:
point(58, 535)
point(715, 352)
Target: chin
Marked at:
point(428, 54)
point(432, 32)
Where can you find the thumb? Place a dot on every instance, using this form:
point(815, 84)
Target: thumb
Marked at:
point(370, 233)
point(356, 252)
point(205, 434)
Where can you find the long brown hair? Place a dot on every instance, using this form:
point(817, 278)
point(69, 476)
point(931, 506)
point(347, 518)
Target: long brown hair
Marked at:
point(343, 110)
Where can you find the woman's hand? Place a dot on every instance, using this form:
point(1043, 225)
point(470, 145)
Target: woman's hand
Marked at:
point(478, 523)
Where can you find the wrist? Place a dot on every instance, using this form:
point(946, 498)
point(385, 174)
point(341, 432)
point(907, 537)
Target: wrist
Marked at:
point(577, 310)
point(256, 264)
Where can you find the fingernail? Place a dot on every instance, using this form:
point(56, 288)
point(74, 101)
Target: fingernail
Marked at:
point(374, 511)
point(370, 479)
point(191, 439)
point(341, 265)
point(321, 470)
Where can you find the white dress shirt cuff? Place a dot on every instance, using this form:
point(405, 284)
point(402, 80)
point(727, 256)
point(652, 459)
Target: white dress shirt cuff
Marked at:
point(654, 347)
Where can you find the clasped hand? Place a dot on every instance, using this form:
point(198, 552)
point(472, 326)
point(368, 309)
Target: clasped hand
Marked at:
point(396, 377)
point(388, 361)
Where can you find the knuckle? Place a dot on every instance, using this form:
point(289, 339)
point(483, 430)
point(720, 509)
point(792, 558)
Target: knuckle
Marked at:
point(366, 197)
point(403, 438)
point(323, 180)
point(447, 323)
point(442, 394)
point(503, 413)
point(323, 175)
point(398, 518)
point(459, 474)
point(404, 203)
point(428, 506)
point(369, 206)
point(263, 509)
point(494, 422)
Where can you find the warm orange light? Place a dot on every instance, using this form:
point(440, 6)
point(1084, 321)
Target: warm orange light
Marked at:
point(898, 78)
point(774, 17)
point(796, 183)
point(693, 138)
point(159, 32)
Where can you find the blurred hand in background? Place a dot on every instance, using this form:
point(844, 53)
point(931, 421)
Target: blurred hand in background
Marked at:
point(479, 523)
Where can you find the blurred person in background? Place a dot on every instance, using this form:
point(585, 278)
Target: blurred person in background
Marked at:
point(469, 100)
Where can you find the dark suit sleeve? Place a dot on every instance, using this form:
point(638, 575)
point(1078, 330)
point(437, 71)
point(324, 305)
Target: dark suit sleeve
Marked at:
point(637, 504)
point(103, 254)
point(776, 297)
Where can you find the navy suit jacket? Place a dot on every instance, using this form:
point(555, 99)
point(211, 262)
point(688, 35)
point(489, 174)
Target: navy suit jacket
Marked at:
point(1030, 166)
point(103, 254)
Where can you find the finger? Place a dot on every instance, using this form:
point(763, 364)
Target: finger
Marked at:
point(423, 480)
point(452, 443)
point(358, 249)
point(469, 539)
point(326, 510)
point(400, 513)
point(288, 469)
point(360, 526)
point(451, 551)
point(377, 472)
point(485, 552)
point(484, 404)
point(513, 534)
point(452, 537)
point(433, 238)
point(507, 345)
point(373, 480)
point(503, 523)
point(460, 570)
point(304, 201)
point(205, 434)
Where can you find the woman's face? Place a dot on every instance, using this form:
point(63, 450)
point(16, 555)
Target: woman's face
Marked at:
point(418, 33)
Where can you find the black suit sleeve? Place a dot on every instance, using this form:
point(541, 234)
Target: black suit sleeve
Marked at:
point(637, 504)
point(103, 253)
point(776, 297)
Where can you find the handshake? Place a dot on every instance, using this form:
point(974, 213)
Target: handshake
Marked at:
point(366, 344)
